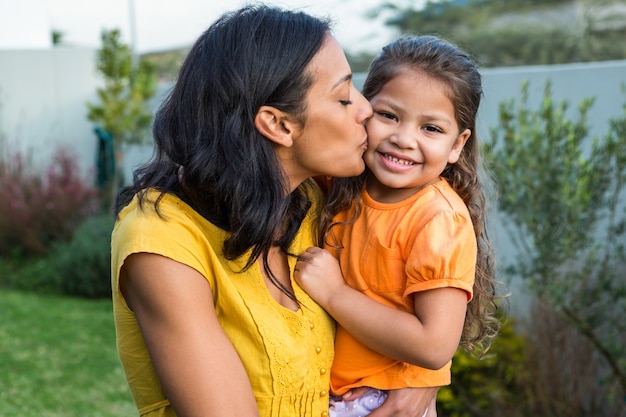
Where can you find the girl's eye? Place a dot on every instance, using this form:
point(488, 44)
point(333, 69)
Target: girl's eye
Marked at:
point(431, 128)
point(386, 115)
point(345, 102)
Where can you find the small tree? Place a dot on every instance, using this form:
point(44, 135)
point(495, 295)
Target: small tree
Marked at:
point(57, 37)
point(561, 192)
point(122, 111)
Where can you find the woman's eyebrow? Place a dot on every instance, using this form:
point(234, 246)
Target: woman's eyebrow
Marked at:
point(342, 80)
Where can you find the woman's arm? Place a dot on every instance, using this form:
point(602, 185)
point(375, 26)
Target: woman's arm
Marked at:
point(197, 365)
point(427, 338)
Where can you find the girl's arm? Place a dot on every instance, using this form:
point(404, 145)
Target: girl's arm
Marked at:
point(196, 364)
point(427, 338)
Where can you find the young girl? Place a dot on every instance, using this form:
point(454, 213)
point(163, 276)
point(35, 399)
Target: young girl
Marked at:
point(409, 234)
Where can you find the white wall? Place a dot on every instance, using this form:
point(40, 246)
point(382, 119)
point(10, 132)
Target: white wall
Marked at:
point(571, 82)
point(43, 96)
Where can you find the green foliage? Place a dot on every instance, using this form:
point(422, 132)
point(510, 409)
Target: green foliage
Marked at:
point(122, 110)
point(560, 192)
point(83, 265)
point(546, 180)
point(80, 267)
point(541, 367)
point(517, 46)
point(487, 386)
point(359, 62)
point(166, 64)
point(34, 274)
point(509, 33)
point(57, 37)
point(565, 375)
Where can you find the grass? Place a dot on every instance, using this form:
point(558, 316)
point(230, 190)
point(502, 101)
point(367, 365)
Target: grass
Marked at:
point(58, 358)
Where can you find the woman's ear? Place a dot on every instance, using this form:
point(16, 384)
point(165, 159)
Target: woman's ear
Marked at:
point(275, 125)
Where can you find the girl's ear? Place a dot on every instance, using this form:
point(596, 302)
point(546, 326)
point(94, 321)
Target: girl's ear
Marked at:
point(275, 125)
point(458, 145)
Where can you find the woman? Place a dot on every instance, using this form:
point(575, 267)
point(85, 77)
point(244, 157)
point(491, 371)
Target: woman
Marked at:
point(208, 319)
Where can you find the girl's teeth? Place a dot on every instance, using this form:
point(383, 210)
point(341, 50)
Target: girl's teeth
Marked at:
point(398, 161)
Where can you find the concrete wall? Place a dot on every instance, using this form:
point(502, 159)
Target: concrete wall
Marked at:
point(43, 96)
point(572, 82)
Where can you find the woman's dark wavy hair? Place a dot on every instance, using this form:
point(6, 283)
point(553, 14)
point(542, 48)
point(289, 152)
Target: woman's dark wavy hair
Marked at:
point(230, 174)
point(443, 61)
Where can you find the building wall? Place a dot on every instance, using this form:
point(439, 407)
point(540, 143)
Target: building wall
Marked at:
point(571, 82)
point(43, 96)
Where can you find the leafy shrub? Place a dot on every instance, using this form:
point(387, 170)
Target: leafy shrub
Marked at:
point(505, 33)
point(487, 386)
point(37, 209)
point(561, 193)
point(83, 265)
point(541, 367)
point(33, 274)
point(79, 267)
point(566, 375)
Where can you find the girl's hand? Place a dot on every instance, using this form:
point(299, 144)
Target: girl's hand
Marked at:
point(408, 402)
point(319, 274)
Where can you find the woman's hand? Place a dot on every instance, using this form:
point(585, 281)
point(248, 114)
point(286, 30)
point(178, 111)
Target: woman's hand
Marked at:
point(409, 402)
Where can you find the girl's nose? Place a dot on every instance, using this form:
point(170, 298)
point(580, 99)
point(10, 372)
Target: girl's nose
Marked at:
point(404, 138)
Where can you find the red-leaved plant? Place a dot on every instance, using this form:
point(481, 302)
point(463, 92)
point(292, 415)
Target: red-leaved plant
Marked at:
point(39, 207)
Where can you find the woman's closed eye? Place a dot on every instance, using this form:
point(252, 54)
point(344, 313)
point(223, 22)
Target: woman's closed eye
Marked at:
point(345, 102)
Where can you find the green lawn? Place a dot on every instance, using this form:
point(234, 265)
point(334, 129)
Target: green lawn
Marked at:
point(58, 358)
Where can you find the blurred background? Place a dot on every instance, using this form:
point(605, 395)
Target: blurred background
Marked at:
point(160, 25)
point(79, 84)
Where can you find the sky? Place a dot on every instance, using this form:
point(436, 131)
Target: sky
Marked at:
point(157, 25)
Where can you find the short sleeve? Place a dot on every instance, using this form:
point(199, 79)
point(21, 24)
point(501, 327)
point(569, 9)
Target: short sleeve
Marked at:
point(443, 255)
point(169, 233)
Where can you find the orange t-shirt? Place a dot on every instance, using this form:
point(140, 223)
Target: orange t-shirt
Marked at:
point(392, 251)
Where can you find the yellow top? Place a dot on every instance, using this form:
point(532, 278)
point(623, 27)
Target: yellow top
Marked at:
point(287, 355)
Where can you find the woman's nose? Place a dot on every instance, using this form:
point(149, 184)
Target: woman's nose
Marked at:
point(364, 109)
